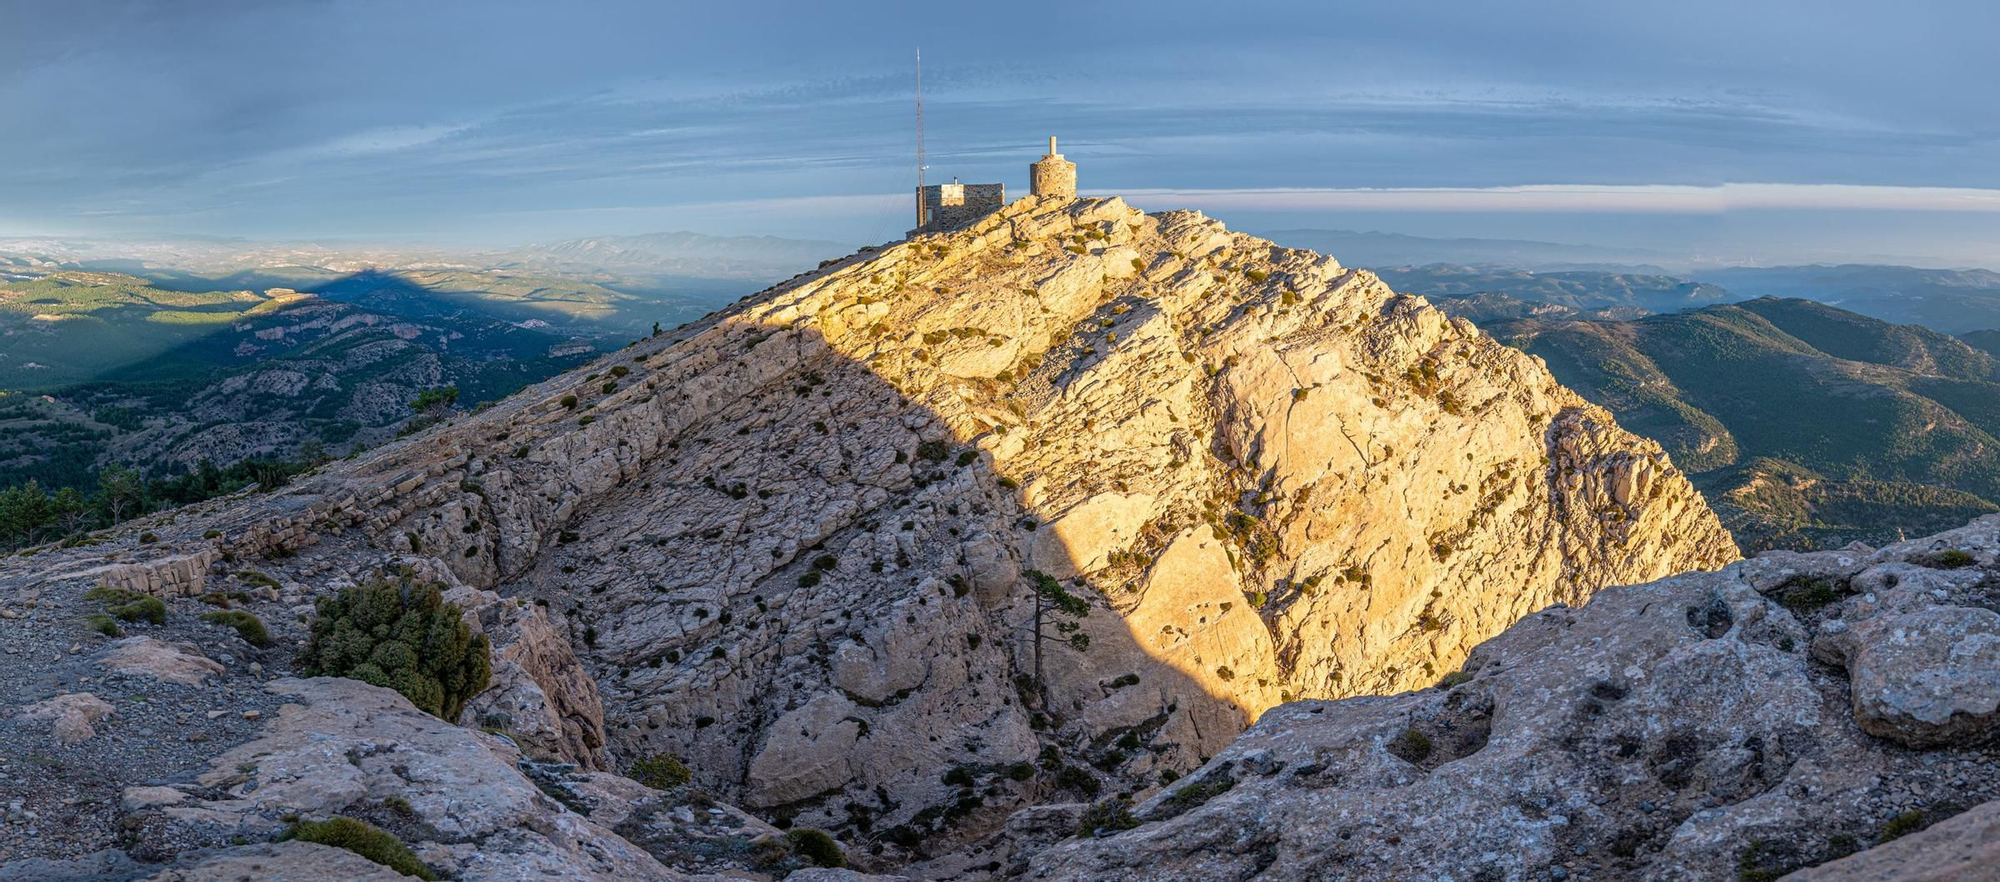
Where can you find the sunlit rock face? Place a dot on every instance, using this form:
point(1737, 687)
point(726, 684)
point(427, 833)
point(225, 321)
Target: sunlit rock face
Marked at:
point(796, 544)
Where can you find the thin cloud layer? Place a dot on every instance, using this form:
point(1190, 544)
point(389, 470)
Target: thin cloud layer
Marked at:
point(513, 121)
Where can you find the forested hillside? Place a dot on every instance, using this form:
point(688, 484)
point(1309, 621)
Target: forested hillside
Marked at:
point(1807, 425)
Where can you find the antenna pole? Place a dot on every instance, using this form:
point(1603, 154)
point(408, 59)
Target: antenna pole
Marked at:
point(920, 137)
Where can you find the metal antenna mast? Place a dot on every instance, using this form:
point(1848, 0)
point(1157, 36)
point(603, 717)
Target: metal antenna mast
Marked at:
point(920, 137)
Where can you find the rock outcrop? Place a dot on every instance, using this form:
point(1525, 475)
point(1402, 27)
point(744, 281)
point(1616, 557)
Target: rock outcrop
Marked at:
point(1704, 726)
point(147, 657)
point(342, 747)
point(801, 544)
point(1964, 848)
point(70, 716)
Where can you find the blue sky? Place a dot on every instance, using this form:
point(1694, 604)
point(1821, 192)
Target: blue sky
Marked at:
point(1841, 127)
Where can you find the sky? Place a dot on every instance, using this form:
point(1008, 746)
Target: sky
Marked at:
point(1762, 131)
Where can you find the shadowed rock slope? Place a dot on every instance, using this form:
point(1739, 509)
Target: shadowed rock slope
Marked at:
point(1782, 713)
point(796, 544)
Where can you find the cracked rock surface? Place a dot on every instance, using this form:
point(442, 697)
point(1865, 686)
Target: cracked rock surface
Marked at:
point(1745, 723)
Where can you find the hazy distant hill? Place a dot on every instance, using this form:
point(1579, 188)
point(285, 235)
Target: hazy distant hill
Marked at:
point(766, 258)
point(1949, 300)
point(1987, 341)
point(1373, 249)
point(104, 367)
point(1581, 290)
point(1806, 424)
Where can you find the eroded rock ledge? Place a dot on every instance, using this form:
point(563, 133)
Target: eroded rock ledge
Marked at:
point(1782, 713)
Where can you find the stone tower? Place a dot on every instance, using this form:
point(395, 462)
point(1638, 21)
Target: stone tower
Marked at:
point(1053, 175)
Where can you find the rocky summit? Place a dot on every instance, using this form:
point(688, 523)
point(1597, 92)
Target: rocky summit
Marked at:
point(934, 545)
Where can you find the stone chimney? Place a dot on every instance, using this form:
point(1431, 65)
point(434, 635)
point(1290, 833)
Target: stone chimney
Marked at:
point(1053, 175)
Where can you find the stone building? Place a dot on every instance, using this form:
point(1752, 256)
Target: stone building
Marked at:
point(953, 205)
point(1053, 175)
point(945, 206)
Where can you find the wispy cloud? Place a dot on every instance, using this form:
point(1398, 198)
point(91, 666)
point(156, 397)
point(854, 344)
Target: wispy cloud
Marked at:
point(495, 118)
point(1581, 198)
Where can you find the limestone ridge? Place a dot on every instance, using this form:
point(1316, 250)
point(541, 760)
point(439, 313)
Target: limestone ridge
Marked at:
point(788, 541)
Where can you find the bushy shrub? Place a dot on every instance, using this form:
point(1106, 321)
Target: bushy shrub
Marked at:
point(816, 846)
point(247, 626)
point(402, 636)
point(1412, 746)
point(1111, 814)
point(663, 772)
point(1903, 825)
point(364, 839)
point(258, 578)
point(103, 624)
point(129, 605)
point(1073, 778)
point(1950, 559)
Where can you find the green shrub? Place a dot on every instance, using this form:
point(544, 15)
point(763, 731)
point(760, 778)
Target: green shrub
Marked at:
point(247, 626)
point(129, 605)
point(1199, 792)
point(1903, 825)
point(364, 839)
point(1111, 814)
point(1073, 778)
point(435, 402)
point(816, 846)
point(1811, 595)
point(103, 624)
point(569, 401)
point(663, 772)
point(254, 577)
point(1951, 559)
point(1256, 275)
point(402, 636)
point(1412, 745)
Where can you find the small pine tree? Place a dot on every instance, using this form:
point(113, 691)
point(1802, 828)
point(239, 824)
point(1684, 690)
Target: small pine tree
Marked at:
point(436, 402)
point(1052, 598)
point(402, 636)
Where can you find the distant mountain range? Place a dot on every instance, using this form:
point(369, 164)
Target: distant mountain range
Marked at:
point(1582, 290)
point(682, 254)
point(1807, 425)
point(1950, 300)
point(1373, 250)
point(116, 369)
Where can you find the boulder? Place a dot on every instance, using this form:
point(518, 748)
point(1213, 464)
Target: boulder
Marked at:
point(70, 716)
point(180, 663)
